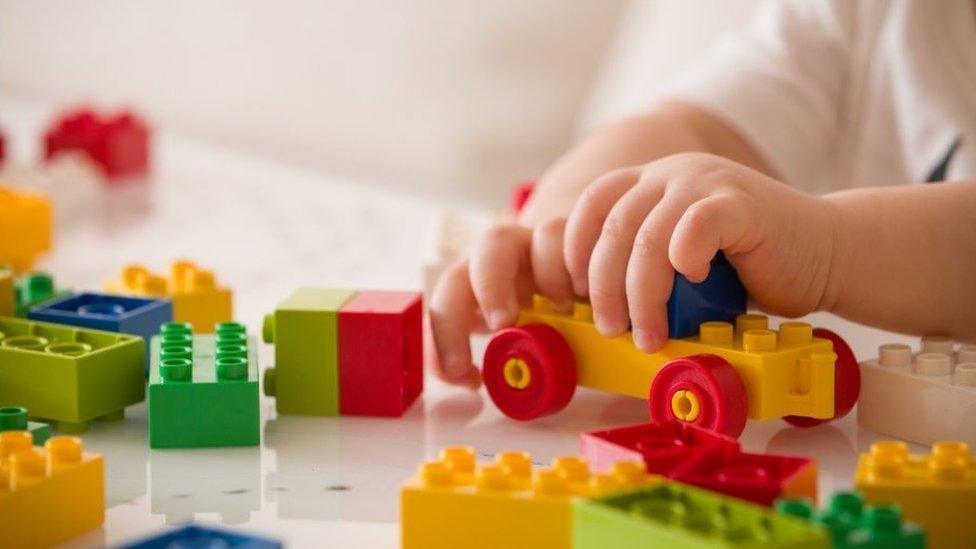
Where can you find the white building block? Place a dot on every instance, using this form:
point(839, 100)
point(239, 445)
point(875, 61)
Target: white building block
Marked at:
point(925, 397)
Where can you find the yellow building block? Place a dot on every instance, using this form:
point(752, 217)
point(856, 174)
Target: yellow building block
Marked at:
point(786, 372)
point(49, 495)
point(452, 503)
point(6, 292)
point(25, 228)
point(196, 295)
point(937, 490)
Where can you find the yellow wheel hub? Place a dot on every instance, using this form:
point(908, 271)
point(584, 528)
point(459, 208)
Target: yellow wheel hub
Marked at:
point(517, 373)
point(685, 405)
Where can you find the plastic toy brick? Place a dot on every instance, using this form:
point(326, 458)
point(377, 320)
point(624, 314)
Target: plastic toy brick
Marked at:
point(49, 495)
point(520, 195)
point(924, 397)
point(304, 330)
point(201, 536)
point(3, 147)
point(715, 379)
point(203, 390)
point(936, 491)
point(14, 418)
point(695, 456)
point(25, 228)
point(111, 313)
point(67, 374)
point(675, 515)
point(118, 144)
point(452, 503)
point(7, 299)
point(380, 353)
point(34, 289)
point(721, 296)
point(854, 525)
point(196, 296)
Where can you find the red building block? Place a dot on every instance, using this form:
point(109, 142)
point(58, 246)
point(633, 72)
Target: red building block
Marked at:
point(119, 144)
point(3, 146)
point(380, 353)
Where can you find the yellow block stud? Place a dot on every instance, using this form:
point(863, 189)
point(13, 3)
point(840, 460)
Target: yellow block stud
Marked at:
point(716, 333)
point(748, 321)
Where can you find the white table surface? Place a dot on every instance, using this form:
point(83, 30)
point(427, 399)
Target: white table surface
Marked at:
point(267, 228)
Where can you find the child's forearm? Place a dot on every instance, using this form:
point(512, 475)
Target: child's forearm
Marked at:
point(906, 258)
point(667, 129)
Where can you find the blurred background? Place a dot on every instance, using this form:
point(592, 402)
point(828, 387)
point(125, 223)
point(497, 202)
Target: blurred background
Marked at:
point(448, 100)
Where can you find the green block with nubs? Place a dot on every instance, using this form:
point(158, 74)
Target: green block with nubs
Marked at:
point(68, 374)
point(304, 330)
point(856, 525)
point(33, 289)
point(203, 389)
point(675, 516)
point(14, 418)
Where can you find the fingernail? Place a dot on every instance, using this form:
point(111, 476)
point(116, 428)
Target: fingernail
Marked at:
point(497, 319)
point(453, 362)
point(646, 341)
point(606, 327)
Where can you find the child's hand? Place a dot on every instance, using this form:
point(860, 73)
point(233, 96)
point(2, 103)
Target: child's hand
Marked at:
point(634, 227)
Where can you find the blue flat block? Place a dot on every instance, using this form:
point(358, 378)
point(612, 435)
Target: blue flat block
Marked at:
point(720, 296)
point(200, 537)
point(128, 315)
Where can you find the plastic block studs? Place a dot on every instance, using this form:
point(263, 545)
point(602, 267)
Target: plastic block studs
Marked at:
point(452, 502)
point(49, 495)
point(345, 351)
point(111, 313)
point(201, 536)
point(937, 490)
point(676, 515)
point(720, 297)
point(67, 374)
point(380, 353)
point(118, 144)
point(7, 299)
point(854, 525)
point(14, 418)
point(203, 390)
point(922, 397)
point(691, 455)
point(25, 228)
point(34, 289)
point(197, 297)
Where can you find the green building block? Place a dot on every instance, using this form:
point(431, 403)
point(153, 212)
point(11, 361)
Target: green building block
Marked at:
point(853, 524)
point(14, 418)
point(68, 374)
point(33, 289)
point(304, 330)
point(203, 389)
point(675, 515)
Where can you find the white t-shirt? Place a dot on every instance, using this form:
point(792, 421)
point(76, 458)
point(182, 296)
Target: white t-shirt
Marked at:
point(846, 93)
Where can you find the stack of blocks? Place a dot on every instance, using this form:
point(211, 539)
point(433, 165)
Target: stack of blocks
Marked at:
point(203, 389)
point(685, 453)
point(67, 374)
point(51, 495)
point(117, 144)
point(937, 491)
point(14, 418)
point(451, 503)
point(25, 228)
point(197, 298)
point(345, 352)
point(852, 524)
point(34, 289)
point(924, 397)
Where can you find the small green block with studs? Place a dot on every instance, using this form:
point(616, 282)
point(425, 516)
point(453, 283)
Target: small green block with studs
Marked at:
point(33, 289)
point(203, 389)
point(854, 524)
point(14, 418)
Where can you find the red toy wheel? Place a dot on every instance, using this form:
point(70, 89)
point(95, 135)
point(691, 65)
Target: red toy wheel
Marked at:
point(704, 390)
point(847, 381)
point(529, 371)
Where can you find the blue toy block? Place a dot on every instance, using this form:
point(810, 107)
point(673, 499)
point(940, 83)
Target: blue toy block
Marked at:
point(202, 537)
point(111, 313)
point(721, 296)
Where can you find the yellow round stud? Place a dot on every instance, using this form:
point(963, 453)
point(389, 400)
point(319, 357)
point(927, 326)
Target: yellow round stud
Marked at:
point(685, 405)
point(517, 373)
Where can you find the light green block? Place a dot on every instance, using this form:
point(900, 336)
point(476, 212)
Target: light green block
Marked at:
point(67, 374)
point(678, 516)
point(14, 418)
point(304, 330)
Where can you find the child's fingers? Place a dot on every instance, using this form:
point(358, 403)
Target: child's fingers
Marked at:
point(586, 222)
point(548, 266)
point(451, 309)
point(497, 265)
point(718, 222)
point(608, 263)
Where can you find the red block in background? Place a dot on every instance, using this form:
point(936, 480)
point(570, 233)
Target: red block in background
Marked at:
point(380, 353)
point(689, 454)
point(520, 195)
point(3, 147)
point(118, 144)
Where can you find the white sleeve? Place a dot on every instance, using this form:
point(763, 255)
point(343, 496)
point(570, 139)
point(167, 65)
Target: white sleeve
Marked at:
point(780, 83)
